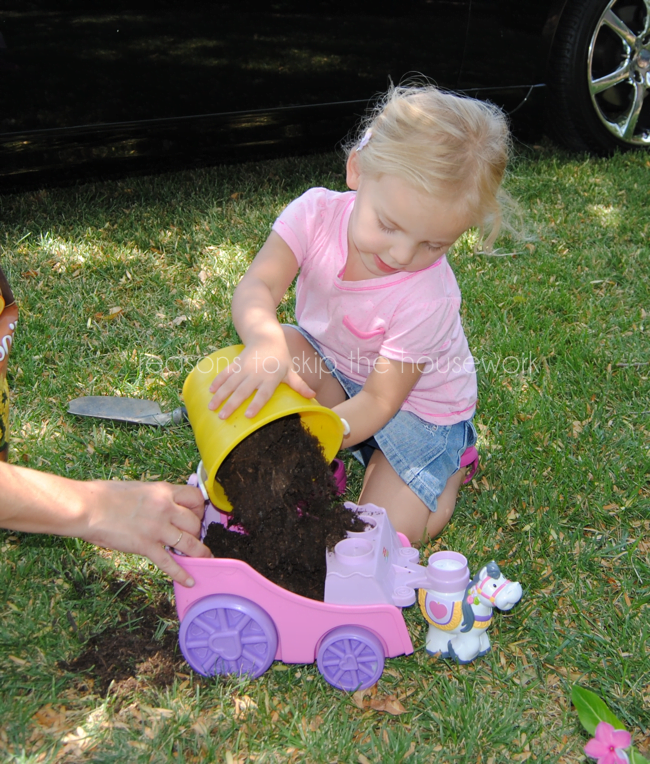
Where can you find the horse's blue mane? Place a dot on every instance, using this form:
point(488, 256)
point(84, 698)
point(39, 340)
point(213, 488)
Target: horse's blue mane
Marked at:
point(492, 569)
point(468, 613)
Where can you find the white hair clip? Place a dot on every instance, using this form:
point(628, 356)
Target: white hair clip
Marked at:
point(364, 141)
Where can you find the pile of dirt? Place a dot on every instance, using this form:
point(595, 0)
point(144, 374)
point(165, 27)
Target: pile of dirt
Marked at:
point(284, 495)
point(131, 653)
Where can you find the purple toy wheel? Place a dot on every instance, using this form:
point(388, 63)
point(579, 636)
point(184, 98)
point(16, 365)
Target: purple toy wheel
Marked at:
point(351, 658)
point(226, 634)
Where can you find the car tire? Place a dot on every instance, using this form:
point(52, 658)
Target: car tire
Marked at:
point(350, 658)
point(227, 634)
point(599, 75)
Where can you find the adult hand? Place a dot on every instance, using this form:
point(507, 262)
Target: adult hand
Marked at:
point(144, 518)
point(141, 518)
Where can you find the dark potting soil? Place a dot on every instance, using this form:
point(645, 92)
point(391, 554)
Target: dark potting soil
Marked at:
point(132, 654)
point(283, 493)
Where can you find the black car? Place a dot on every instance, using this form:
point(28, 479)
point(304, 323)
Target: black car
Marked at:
point(95, 86)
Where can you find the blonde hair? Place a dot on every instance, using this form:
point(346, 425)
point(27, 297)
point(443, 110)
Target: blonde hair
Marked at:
point(443, 145)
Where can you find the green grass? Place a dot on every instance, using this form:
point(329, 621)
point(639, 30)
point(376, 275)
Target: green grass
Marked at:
point(560, 334)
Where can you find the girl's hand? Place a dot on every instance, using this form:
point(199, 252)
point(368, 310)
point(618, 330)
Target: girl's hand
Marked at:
point(265, 361)
point(259, 367)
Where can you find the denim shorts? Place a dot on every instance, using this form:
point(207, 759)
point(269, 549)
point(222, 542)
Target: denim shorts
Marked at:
point(423, 454)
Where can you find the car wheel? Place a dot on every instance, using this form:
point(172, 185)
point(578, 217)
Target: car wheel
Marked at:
point(350, 658)
point(599, 75)
point(226, 634)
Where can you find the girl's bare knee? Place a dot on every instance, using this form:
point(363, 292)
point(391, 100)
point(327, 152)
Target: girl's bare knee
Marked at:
point(438, 520)
point(446, 504)
point(407, 512)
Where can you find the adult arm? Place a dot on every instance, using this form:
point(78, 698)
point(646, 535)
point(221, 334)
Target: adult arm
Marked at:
point(265, 361)
point(128, 516)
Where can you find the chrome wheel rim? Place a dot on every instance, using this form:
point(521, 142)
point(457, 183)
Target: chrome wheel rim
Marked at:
point(619, 70)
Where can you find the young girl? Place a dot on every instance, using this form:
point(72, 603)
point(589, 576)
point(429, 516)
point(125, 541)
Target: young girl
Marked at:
point(379, 337)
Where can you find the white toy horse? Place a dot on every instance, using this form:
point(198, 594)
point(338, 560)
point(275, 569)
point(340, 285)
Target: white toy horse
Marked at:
point(459, 619)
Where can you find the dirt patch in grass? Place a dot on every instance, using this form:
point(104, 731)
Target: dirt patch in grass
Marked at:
point(134, 652)
point(284, 495)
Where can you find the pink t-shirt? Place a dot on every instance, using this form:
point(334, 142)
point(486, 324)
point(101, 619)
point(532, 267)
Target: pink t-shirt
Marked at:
point(410, 317)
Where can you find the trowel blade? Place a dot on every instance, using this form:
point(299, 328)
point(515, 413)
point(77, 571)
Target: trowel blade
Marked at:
point(119, 409)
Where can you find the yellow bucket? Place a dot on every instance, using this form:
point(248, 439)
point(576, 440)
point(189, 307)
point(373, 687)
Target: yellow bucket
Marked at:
point(216, 437)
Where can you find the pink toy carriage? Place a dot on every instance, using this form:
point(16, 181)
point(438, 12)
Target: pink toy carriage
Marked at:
point(233, 620)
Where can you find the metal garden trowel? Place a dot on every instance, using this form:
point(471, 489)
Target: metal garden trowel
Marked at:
point(125, 410)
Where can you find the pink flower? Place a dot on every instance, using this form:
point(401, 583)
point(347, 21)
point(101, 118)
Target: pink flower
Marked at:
point(608, 745)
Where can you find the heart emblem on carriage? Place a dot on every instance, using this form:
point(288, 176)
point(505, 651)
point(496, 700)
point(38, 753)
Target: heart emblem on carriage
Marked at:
point(348, 663)
point(437, 609)
point(226, 644)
